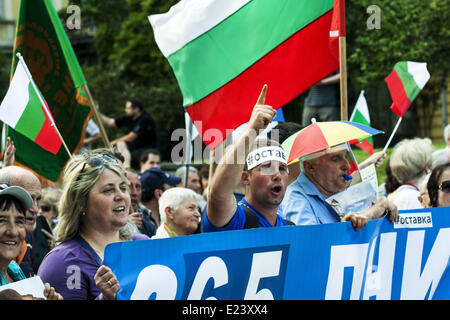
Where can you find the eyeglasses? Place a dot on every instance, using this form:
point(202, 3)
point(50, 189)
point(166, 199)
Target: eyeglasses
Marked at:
point(445, 186)
point(45, 208)
point(98, 161)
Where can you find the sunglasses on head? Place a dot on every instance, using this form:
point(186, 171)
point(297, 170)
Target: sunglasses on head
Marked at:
point(445, 186)
point(98, 161)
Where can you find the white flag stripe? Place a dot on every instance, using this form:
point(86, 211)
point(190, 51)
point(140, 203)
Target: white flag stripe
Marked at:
point(419, 72)
point(189, 19)
point(16, 98)
point(361, 105)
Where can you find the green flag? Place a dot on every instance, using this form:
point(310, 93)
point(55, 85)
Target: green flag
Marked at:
point(45, 47)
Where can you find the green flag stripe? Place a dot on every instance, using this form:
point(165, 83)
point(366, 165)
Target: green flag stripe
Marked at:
point(221, 54)
point(66, 47)
point(411, 88)
point(32, 119)
point(359, 118)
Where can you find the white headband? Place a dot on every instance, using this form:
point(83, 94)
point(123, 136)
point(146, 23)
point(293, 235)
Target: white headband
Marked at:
point(261, 155)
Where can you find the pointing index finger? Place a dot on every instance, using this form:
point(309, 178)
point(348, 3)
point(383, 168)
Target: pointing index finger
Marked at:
point(262, 95)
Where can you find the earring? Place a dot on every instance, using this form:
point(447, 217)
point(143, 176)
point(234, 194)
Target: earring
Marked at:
point(83, 213)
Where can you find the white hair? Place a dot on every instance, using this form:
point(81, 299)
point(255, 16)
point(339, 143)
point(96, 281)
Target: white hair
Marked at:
point(172, 198)
point(447, 133)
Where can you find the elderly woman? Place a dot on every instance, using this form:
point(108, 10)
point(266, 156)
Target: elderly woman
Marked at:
point(93, 212)
point(410, 162)
point(439, 186)
point(14, 201)
point(179, 212)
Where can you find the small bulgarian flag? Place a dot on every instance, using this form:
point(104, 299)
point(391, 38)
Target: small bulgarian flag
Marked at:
point(361, 115)
point(22, 110)
point(223, 52)
point(405, 83)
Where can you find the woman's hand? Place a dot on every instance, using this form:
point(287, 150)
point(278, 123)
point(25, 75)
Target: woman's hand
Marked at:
point(107, 282)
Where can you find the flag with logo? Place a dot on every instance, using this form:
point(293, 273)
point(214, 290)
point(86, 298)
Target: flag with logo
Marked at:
point(223, 52)
point(22, 110)
point(44, 45)
point(361, 115)
point(405, 82)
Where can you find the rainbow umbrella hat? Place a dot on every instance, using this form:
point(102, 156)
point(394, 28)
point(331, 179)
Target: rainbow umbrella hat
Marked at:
point(320, 136)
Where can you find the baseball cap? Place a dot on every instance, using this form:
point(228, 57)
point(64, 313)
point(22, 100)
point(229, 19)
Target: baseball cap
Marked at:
point(17, 192)
point(155, 177)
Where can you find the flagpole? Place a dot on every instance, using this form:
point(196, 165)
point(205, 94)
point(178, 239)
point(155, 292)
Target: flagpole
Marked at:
point(44, 105)
point(392, 134)
point(343, 78)
point(188, 149)
point(96, 116)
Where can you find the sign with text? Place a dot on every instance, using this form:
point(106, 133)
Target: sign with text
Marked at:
point(383, 261)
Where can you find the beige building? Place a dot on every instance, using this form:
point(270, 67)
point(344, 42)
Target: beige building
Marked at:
point(9, 10)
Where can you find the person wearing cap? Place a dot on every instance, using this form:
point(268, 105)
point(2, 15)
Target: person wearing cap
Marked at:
point(14, 201)
point(261, 166)
point(18, 176)
point(154, 182)
point(324, 174)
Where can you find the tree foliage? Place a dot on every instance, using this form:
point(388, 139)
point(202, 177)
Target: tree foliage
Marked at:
point(129, 63)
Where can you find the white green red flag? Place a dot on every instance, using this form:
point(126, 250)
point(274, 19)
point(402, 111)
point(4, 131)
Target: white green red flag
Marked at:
point(22, 110)
point(361, 115)
point(223, 52)
point(405, 83)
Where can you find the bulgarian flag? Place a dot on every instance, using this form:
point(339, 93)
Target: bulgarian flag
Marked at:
point(405, 83)
point(223, 52)
point(22, 110)
point(361, 115)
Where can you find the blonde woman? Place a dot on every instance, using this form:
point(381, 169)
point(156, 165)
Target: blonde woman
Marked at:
point(93, 212)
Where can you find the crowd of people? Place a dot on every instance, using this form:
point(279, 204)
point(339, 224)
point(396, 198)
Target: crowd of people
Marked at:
point(61, 234)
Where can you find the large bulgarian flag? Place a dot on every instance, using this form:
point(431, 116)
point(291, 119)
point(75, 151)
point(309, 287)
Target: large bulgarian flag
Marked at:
point(405, 82)
point(361, 115)
point(22, 109)
point(223, 52)
point(44, 45)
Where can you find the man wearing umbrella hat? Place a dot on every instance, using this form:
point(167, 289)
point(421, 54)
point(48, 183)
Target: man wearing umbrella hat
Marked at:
point(262, 168)
point(324, 173)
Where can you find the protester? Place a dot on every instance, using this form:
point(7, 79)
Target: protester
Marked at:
point(140, 216)
point(265, 179)
point(193, 179)
point(93, 213)
point(324, 175)
point(154, 182)
point(43, 235)
point(179, 212)
point(141, 135)
point(438, 186)
point(150, 158)
point(18, 176)
point(390, 183)
point(424, 197)
point(14, 201)
point(193, 183)
point(321, 101)
point(410, 162)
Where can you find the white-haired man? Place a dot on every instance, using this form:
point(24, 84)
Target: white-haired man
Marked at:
point(324, 174)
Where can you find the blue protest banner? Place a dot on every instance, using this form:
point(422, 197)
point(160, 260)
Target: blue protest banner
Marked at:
point(406, 260)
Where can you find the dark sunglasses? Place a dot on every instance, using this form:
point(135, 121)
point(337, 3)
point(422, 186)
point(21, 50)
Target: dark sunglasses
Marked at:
point(98, 161)
point(45, 208)
point(445, 186)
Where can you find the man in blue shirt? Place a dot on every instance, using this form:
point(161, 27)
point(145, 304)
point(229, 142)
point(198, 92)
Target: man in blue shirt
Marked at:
point(262, 168)
point(324, 174)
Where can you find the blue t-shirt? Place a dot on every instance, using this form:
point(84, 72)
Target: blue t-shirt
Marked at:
point(237, 222)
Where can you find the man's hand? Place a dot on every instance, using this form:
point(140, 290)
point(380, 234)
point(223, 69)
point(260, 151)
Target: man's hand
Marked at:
point(358, 221)
point(136, 218)
point(262, 114)
point(9, 153)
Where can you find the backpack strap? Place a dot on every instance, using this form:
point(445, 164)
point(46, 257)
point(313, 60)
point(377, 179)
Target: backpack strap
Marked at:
point(251, 220)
